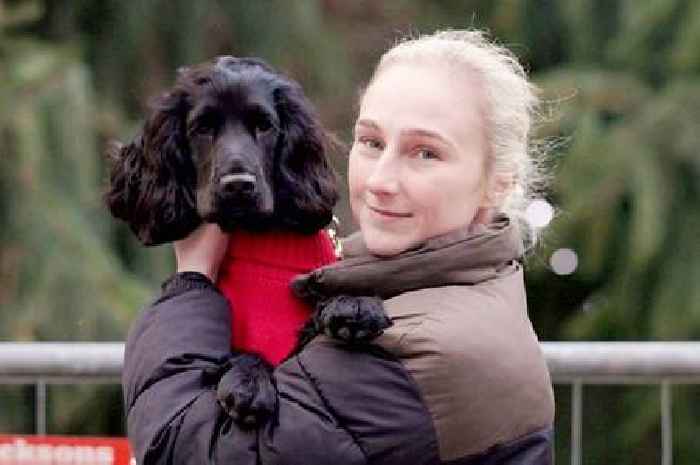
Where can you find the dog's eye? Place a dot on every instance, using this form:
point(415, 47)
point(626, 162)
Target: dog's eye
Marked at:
point(206, 125)
point(204, 130)
point(261, 123)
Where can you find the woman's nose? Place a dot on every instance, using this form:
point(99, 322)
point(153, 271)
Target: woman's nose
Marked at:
point(383, 177)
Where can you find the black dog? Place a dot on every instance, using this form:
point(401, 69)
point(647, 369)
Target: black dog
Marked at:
point(233, 143)
point(237, 144)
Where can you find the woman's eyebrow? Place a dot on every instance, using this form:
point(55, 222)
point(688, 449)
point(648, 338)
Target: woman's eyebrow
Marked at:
point(410, 132)
point(427, 133)
point(367, 123)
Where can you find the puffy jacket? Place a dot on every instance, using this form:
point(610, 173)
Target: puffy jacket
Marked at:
point(458, 379)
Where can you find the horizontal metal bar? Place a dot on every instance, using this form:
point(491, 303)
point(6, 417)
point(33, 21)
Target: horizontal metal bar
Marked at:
point(623, 362)
point(588, 362)
point(61, 362)
point(60, 380)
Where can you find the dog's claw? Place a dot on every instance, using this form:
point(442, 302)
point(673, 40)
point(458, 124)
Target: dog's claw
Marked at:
point(352, 318)
point(246, 391)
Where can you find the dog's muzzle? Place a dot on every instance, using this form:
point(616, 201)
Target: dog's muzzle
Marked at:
point(245, 191)
point(240, 183)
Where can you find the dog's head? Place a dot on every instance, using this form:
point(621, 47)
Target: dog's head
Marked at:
point(233, 143)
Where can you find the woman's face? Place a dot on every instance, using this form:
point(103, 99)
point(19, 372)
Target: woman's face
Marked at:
point(417, 161)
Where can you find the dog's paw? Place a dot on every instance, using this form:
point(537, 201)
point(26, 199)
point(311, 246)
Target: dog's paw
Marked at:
point(246, 390)
point(352, 318)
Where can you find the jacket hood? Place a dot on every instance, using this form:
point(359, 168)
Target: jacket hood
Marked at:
point(465, 256)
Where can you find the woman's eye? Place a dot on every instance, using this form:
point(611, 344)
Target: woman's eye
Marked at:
point(370, 143)
point(427, 154)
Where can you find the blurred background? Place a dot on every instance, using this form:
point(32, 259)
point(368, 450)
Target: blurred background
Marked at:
point(619, 261)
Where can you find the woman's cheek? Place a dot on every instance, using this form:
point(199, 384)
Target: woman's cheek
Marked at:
point(356, 178)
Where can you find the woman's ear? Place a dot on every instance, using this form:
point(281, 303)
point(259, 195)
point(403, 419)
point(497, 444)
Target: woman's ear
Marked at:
point(496, 191)
point(152, 179)
point(498, 188)
point(305, 183)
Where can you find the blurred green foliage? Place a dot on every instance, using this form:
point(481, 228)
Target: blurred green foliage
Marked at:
point(621, 85)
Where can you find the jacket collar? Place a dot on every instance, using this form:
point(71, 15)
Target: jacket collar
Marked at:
point(465, 256)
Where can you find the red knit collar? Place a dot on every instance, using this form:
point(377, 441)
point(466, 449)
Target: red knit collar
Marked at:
point(287, 250)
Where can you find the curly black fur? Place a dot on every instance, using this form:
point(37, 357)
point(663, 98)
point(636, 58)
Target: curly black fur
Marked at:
point(233, 142)
point(352, 319)
point(246, 390)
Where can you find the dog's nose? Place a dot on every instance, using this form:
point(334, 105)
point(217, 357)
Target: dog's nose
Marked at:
point(243, 183)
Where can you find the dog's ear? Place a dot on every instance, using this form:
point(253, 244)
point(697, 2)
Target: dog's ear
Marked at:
point(152, 180)
point(305, 183)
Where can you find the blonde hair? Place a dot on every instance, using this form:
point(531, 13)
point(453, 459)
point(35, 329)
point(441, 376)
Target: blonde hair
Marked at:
point(510, 105)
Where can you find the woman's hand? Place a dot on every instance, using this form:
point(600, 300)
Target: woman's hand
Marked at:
point(202, 251)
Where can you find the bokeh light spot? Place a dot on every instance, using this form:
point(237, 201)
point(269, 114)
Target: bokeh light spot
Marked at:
point(564, 261)
point(539, 213)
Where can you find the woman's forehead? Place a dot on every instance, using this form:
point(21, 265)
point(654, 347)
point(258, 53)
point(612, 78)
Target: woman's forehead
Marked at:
point(417, 97)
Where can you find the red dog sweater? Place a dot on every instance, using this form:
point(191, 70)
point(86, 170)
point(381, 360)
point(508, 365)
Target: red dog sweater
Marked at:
point(255, 277)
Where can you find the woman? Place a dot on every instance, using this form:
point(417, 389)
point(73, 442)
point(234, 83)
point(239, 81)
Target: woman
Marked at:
point(438, 175)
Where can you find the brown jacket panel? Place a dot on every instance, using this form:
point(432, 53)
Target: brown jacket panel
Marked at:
point(472, 350)
point(461, 330)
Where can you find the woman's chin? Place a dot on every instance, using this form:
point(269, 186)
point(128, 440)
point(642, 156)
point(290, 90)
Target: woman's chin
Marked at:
point(387, 246)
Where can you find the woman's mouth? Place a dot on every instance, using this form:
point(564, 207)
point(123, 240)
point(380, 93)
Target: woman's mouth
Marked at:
point(390, 213)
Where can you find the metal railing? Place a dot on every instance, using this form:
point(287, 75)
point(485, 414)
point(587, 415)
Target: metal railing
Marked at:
point(658, 363)
point(574, 363)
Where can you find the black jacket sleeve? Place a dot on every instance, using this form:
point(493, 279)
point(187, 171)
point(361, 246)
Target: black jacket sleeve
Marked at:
point(338, 404)
point(172, 413)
